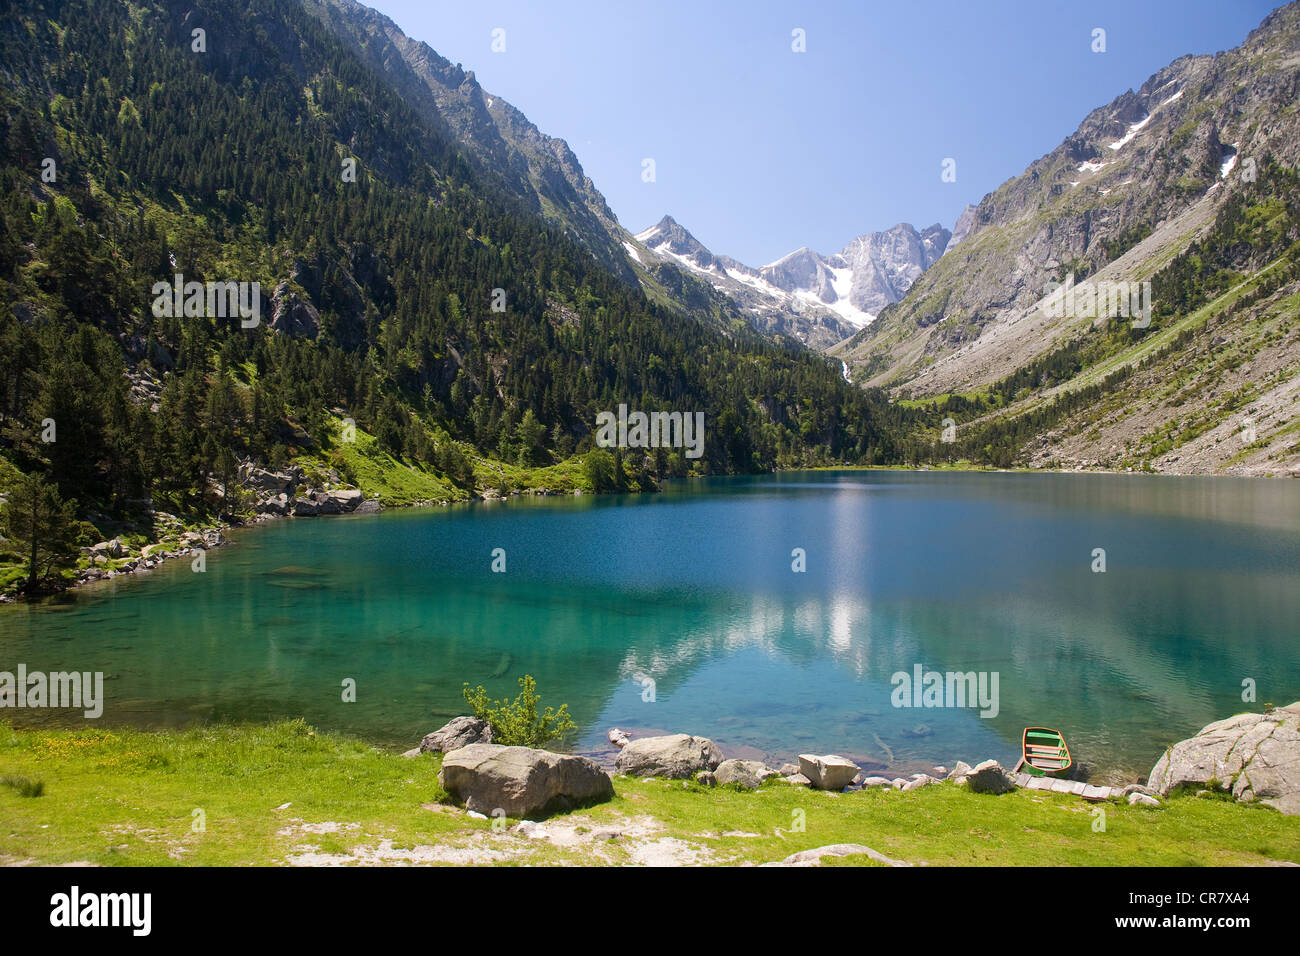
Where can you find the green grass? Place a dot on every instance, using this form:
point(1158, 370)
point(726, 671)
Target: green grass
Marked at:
point(375, 471)
point(398, 482)
point(119, 797)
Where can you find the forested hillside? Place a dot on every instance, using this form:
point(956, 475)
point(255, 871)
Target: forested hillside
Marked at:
point(134, 149)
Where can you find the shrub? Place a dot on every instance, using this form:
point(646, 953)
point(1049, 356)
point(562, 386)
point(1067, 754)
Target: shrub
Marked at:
point(516, 723)
point(25, 786)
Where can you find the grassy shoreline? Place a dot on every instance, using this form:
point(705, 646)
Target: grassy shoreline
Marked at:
point(284, 794)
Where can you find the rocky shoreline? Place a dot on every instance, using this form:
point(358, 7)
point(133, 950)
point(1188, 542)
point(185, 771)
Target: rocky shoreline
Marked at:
point(279, 494)
point(1249, 758)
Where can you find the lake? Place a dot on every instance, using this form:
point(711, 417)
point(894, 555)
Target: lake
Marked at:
point(682, 612)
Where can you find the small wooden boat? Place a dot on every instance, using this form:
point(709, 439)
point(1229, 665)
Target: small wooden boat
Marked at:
point(1044, 752)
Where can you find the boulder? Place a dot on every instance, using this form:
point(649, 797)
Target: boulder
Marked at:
point(877, 782)
point(344, 500)
point(673, 756)
point(960, 772)
point(1142, 800)
point(829, 772)
point(747, 773)
point(278, 505)
point(989, 777)
point(456, 733)
point(706, 778)
point(520, 780)
point(260, 479)
point(305, 508)
point(1254, 756)
point(617, 737)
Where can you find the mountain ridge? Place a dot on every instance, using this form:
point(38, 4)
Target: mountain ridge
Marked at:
point(871, 271)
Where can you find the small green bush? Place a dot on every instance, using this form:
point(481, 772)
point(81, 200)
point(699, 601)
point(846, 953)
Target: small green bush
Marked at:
point(516, 723)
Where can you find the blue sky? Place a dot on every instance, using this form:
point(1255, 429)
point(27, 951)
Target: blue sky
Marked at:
point(759, 150)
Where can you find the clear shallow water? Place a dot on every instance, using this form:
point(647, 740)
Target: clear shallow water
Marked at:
point(694, 588)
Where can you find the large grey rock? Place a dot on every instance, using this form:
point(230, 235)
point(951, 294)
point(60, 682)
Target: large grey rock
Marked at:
point(989, 777)
point(829, 772)
point(305, 508)
point(260, 479)
point(960, 772)
point(746, 773)
point(520, 780)
point(1255, 756)
point(456, 733)
point(277, 505)
point(342, 501)
point(673, 756)
point(292, 314)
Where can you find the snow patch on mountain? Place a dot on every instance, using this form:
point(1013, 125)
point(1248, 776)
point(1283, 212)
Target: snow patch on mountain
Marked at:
point(1133, 130)
point(871, 272)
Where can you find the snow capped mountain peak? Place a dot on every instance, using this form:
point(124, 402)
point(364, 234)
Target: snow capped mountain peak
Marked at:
point(870, 272)
point(669, 238)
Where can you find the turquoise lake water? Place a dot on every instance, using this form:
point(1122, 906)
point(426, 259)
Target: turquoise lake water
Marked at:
point(694, 589)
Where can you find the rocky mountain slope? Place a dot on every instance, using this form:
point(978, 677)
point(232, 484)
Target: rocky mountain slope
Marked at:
point(1184, 183)
point(1132, 167)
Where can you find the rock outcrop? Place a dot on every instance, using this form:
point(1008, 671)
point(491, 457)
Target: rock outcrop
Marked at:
point(1254, 756)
